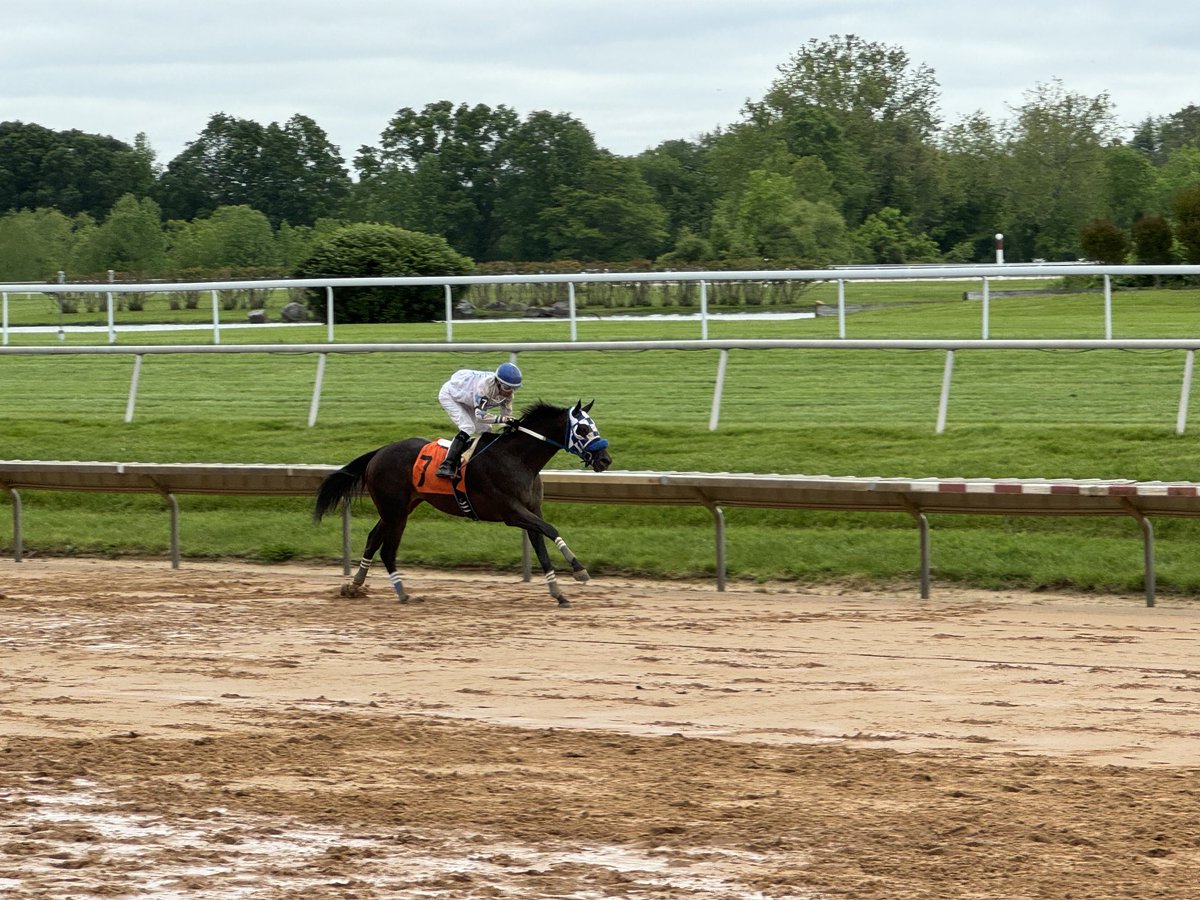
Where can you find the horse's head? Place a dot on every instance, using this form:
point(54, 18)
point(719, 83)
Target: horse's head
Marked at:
point(574, 427)
point(583, 438)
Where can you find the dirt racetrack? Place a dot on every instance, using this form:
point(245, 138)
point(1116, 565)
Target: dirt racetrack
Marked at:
point(234, 731)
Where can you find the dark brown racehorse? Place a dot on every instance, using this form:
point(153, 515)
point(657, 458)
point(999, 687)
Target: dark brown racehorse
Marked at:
point(501, 483)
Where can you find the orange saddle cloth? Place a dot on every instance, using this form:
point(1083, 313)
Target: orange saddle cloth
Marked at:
point(424, 473)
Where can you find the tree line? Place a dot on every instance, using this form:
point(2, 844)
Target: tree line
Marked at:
point(844, 159)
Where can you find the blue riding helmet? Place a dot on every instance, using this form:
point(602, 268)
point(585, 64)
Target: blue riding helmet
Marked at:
point(509, 376)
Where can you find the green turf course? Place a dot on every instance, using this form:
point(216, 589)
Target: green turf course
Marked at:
point(1095, 414)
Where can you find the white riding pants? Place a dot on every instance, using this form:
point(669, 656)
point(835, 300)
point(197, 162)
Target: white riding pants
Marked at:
point(461, 415)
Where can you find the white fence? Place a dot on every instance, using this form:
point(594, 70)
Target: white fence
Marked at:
point(914, 497)
point(985, 274)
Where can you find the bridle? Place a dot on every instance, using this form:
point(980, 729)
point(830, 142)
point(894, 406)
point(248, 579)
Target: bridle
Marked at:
point(584, 446)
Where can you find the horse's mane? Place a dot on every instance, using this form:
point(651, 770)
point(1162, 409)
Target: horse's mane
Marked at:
point(539, 409)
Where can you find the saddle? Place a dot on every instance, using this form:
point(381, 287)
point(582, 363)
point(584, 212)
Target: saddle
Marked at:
point(426, 481)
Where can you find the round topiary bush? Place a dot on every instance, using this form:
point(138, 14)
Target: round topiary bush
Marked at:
point(373, 251)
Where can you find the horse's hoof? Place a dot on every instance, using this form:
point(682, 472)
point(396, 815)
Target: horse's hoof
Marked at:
point(582, 575)
point(563, 602)
point(403, 598)
point(350, 589)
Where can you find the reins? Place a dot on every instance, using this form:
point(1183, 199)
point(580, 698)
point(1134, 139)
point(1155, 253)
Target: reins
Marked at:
point(542, 437)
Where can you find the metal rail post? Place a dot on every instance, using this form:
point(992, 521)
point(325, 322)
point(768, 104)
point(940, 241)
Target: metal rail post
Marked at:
point(719, 527)
point(571, 309)
point(987, 310)
point(216, 308)
point(18, 540)
point(133, 387)
point(944, 399)
point(315, 404)
point(722, 364)
point(923, 531)
point(1107, 307)
point(329, 314)
point(841, 307)
point(1147, 548)
point(1185, 392)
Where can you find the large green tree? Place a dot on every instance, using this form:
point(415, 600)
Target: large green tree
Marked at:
point(232, 237)
point(1130, 185)
point(1187, 222)
point(71, 171)
point(547, 152)
point(436, 170)
point(973, 189)
point(478, 176)
point(1158, 137)
point(129, 240)
point(677, 173)
point(302, 176)
point(1180, 171)
point(889, 237)
point(612, 215)
point(289, 173)
point(1054, 171)
point(771, 220)
point(868, 112)
point(35, 244)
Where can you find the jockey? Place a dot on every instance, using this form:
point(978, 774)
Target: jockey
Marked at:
point(468, 397)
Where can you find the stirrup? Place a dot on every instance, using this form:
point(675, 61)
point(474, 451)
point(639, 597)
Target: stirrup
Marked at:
point(445, 470)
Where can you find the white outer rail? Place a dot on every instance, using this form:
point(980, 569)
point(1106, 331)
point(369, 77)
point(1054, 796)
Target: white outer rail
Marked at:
point(984, 272)
point(914, 497)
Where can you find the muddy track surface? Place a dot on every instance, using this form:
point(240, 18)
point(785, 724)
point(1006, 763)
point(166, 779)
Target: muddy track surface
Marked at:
point(232, 731)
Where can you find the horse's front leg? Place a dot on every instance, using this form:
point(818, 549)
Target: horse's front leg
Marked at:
point(580, 573)
point(538, 542)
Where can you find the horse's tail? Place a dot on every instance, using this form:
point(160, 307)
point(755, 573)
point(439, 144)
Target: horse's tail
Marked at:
point(340, 487)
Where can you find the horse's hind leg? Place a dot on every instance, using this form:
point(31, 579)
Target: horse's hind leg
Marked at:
point(355, 587)
point(390, 535)
point(538, 542)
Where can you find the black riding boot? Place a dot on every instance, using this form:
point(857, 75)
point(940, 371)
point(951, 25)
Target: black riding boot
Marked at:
point(449, 466)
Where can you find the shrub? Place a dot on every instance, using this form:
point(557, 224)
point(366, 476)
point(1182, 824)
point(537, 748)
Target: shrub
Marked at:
point(1187, 222)
point(1103, 241)
point(374, 251)
point(1152, 240)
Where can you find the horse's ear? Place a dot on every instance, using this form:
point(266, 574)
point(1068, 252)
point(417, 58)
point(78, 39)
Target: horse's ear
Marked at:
point(588, 408)
point(576, 407)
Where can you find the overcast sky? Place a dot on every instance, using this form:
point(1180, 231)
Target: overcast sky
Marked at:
point(635, 73)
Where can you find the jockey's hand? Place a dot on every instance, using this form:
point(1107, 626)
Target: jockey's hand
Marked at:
point(509, 421)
